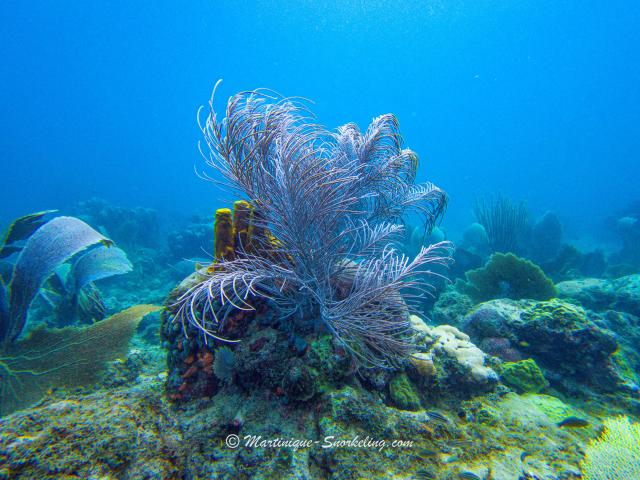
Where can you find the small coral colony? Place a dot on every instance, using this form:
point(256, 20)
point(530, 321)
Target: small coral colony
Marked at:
point(335, 306)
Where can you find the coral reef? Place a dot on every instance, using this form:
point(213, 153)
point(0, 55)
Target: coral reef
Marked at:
point(279, 384)
point(191, 240)
point(304, 340)
point(131, 227)
point(108, 434)
point(450, 365)
point(131, 432)
point(628, 229)
point(546, 237)
point(554, 334)
point(327, 206)
point(475, 239)
point(620, 294)
point(570, 264)
point(267, 359)
point(508, 276)
point(456, 344)
point(403, 393)
point(450, 307)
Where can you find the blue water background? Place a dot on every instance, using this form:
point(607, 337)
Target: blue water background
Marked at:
point(539, 100)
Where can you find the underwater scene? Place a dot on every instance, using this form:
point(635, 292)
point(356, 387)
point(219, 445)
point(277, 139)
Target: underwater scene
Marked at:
point(320, 240)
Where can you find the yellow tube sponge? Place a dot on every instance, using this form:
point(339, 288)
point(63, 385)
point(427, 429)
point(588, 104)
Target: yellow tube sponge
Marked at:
point(224, 244)
point(243, 224)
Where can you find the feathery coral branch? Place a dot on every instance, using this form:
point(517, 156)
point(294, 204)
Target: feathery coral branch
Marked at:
point(332, 202)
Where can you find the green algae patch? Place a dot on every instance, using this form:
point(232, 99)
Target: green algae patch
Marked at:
point(623, 367)
point(562, 315)
point(95, 436)
point(487, 415)
point(554, 408)
point(524, 376)
point(403, 393)
point(348, 408)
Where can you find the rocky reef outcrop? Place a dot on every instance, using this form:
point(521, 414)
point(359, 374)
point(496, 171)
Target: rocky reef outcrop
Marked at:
point(574, 346)
point(620, 294)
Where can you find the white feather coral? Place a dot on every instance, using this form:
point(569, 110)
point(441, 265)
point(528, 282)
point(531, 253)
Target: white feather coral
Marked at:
point(615, 455)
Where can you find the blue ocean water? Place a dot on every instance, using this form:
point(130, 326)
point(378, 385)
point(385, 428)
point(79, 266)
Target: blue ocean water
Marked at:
point(538, 100)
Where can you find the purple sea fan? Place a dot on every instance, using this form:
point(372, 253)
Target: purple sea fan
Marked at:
point(335, 202)
point(51, 245)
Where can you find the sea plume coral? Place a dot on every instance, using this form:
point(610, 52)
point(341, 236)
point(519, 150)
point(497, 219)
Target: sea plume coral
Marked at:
point(504, 221)
point(327, 213)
